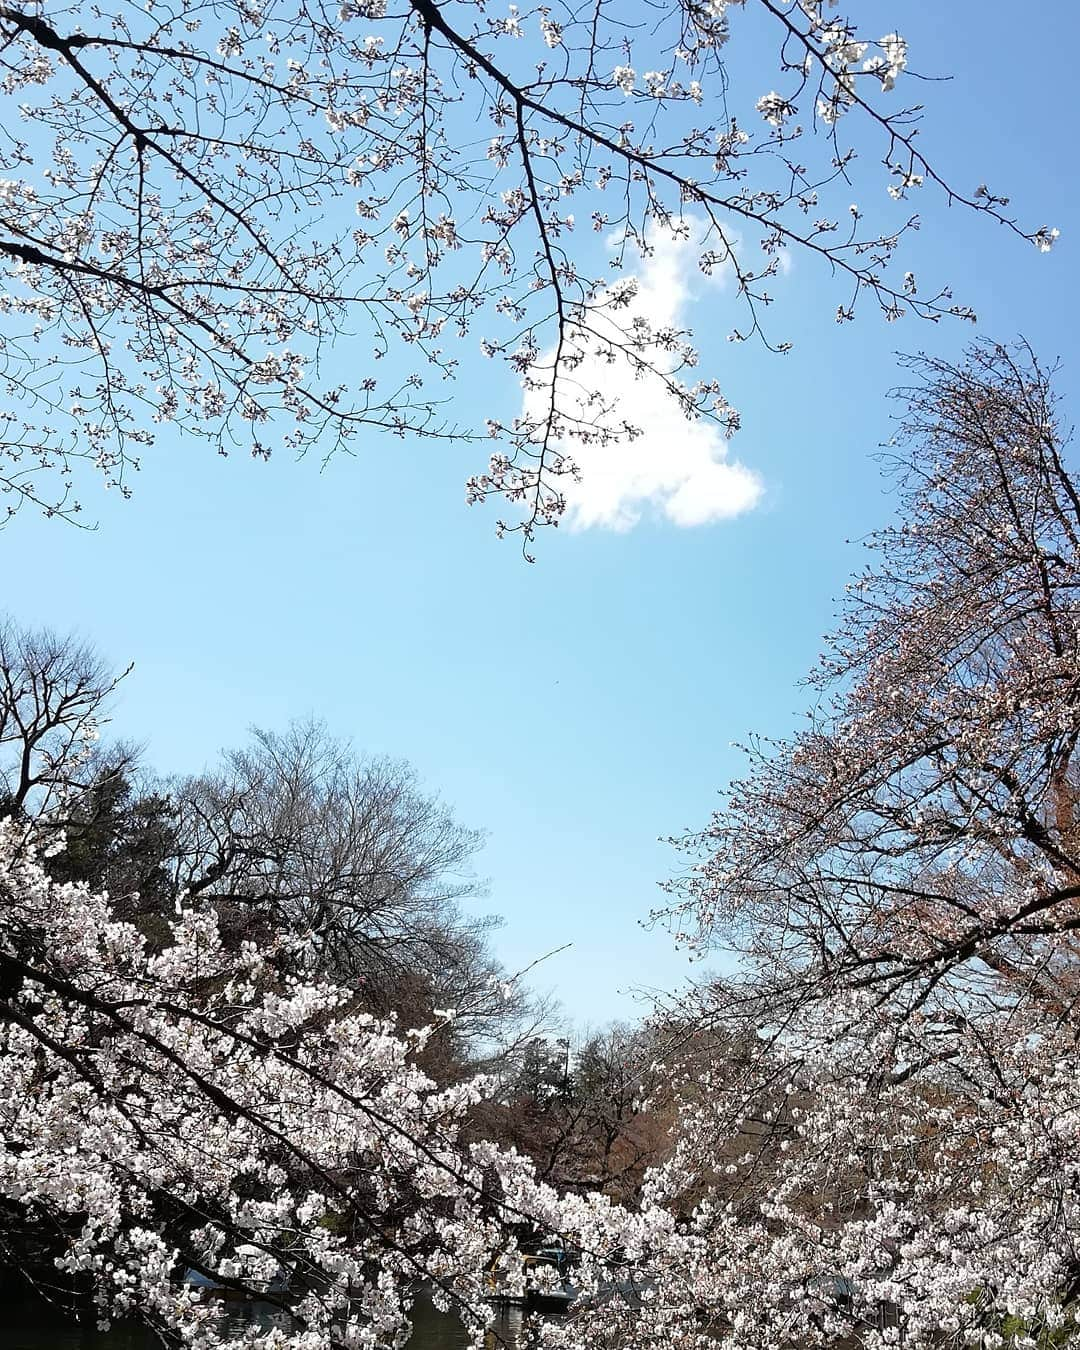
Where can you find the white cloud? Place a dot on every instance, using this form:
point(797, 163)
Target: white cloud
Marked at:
point(676, 468)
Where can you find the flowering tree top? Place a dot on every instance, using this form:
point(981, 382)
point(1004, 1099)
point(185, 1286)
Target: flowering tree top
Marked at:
point(195, 200)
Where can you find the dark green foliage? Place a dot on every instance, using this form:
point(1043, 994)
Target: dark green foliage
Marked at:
point(121, 841)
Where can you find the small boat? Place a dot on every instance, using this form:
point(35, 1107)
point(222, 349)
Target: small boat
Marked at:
point(550, 1300)
point(195, 1279)
point(543, 1295)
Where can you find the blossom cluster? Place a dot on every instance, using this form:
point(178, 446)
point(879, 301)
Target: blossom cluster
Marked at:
point(187, 1107)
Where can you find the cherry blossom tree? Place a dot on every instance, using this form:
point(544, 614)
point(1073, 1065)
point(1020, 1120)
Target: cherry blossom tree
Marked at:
point(927, 814)
point(891, 1152)
point(197, 200)
point(197, 1109)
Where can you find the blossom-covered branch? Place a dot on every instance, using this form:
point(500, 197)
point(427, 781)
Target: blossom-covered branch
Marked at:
point(178, 186)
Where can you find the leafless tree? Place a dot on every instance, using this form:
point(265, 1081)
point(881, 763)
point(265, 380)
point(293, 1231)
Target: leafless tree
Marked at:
point(55, 694)
point(297, 830)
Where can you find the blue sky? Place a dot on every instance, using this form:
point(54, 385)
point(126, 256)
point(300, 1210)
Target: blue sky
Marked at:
point(582, 708)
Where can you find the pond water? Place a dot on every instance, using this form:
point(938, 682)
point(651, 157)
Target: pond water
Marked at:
point(29, 1324)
